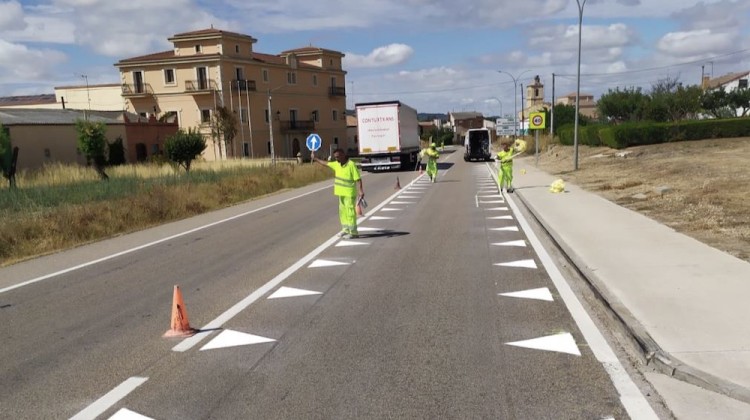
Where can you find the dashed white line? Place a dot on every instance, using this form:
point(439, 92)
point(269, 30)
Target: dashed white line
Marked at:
point(109, 399)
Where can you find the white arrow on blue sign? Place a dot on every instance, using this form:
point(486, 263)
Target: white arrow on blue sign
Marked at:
point(313, 142)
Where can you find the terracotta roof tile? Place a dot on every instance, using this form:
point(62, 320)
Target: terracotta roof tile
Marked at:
point(163, 55)
point(727, 78)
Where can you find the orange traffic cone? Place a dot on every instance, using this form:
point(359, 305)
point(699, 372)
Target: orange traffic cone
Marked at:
point(398, 184)
point(180, 326)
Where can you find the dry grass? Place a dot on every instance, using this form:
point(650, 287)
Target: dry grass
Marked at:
point(69, 207)
point(708, 184)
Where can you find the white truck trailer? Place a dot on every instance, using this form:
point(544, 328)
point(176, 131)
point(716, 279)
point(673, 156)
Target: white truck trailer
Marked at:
point(388, 135)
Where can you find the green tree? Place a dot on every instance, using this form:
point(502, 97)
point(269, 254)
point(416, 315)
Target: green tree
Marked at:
point(623, 105)
point(566, 114)
point(224, 127)
point(92, 142)
point(184, 146)
point(117, 152)
point(739, 99)
point(716, 102)
point(6, 154)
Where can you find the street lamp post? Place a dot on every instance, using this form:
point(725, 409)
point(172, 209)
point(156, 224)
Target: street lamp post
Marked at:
point(270, 129)
point(515, 100)
point(578, 86)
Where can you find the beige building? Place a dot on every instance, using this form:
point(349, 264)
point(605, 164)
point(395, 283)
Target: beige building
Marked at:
point(304, 89)
point(587, 106)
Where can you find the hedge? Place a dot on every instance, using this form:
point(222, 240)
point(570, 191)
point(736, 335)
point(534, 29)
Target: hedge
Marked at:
point(635, 134)
point(587, 134)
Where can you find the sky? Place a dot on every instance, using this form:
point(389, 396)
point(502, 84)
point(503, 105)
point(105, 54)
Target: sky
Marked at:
point(437, 56)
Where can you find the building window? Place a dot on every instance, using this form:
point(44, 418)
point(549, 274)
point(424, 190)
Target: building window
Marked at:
point(239, 73)
point(333, 81)
point(742, 84)
point(264, 73)
point(356, 139)
point(315, 80)
point(205, 116)
point(154, 149)
point(243, 115)
point(536, 93)
point(246, 149)
point(334, 115)
point(291, 78)
point(197, 48)
point(237, 49)
point(336, 141)
point(265, 115)
point(169, 77)
point(315, 116)
point(47, 153)
point(268, 146)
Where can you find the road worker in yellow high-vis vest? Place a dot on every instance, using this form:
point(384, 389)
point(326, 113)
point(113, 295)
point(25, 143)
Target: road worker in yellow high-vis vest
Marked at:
point(347, 186)
point(432, 156)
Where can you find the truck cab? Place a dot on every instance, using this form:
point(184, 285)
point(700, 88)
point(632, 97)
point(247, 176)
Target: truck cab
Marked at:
point(477, 144)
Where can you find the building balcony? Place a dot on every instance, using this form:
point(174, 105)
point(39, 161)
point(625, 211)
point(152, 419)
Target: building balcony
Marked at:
point(246, 85)
point(289, 126)
point(200, 86)
point(137, 90)
point(337, 91)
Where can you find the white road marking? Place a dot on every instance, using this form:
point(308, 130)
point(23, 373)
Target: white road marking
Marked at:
point(381, 218)
point(508, 217)
point(492, 202)
point(327, 263)
point(630, 396)
point(351, 243)
point(498, 209)
point(125, 414)
point(287, 292)
point(518, 264)
point(109, 399)
point(229, 338)
point(505, 229)
point(511, 243)
point(150, 244)
point(368, 229)
point(390, 209)
point(561, 343)
point(542, 293)
point(402, 202)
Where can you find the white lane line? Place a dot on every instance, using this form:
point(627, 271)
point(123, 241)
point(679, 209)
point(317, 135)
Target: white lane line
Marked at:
point(505, 229)
point(520, 243)
point(508, 217)
point(150, 244)
point(402, 202)
point(238, 307)
point(109, 399)
point(476, 198)
point(630, 396)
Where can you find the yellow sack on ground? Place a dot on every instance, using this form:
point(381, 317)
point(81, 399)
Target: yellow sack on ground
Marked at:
point(557, 186)
point(519, 146)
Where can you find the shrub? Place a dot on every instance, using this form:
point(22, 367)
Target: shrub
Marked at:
point(184, 146)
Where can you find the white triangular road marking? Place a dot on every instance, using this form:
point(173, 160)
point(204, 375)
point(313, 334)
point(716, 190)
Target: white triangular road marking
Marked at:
point(390, 209)
point(500, 218)
point(229, 338)
point(492, 202)
point(498, 209)
point(520, 264)
point(538, 294)
point(506, 229)
point(368, 229)
point(562, 343)
point(351, 243)
point(381, 218)
point(402, 202)
point(326, 263)
point(490, 196)
point(287, 292)
point(125, 414)
point(511, 243)
point(407, 197)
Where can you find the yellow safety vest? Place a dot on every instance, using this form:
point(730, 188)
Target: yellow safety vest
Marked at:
point(505, 155)
point(345, 178)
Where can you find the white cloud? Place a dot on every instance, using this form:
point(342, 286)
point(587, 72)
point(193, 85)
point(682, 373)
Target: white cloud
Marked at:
point(388, 55)
point(21, 64)
point(695, 43)
point(592, 37)
point(11, 16)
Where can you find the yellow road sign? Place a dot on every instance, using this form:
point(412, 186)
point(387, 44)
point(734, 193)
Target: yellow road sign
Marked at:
point(537, 120)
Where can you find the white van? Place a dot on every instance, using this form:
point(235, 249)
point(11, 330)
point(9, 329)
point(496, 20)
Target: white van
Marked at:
point(477, 144)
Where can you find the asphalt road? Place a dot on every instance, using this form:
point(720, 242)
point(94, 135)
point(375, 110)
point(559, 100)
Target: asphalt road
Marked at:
point(408, 321)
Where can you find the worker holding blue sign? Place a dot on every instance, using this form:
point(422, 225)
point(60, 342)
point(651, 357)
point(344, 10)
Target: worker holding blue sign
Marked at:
point(347, 186)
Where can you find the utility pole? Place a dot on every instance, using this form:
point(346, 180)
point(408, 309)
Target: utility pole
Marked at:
point(523, 117)
point(270, 128)
point(552, 110)
point(578, 85)
point(88, 96)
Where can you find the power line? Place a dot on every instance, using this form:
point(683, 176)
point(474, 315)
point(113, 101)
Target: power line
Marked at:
point(701, 61)
point(433, 91)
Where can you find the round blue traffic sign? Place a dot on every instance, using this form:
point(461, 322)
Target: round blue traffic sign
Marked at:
point(313, 142)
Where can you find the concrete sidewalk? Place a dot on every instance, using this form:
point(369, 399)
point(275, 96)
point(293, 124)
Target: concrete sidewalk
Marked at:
point(686, 303)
